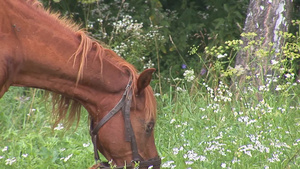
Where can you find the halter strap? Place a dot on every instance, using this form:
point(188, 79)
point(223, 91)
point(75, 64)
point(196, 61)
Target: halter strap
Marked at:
point(94, 130)
point(115, 110)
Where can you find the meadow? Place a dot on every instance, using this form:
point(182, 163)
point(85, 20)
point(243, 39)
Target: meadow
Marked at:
point(206, 128)
point(201, 122)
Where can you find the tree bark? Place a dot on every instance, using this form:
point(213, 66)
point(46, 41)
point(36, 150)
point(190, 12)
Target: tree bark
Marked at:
point(266, 18)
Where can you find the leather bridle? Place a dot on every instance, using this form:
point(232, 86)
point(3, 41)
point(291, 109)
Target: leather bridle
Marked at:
point(124, 104)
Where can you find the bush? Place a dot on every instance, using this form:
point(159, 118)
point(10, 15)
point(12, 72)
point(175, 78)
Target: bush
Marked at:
point(158, 33)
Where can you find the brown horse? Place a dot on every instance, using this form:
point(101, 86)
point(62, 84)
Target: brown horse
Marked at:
point(38, 49)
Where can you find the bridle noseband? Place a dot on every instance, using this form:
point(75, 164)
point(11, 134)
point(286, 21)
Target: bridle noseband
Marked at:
point(124, 104)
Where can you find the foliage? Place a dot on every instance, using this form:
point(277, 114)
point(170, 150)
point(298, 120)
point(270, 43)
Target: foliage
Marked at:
point(158, 33)
point(217, 62)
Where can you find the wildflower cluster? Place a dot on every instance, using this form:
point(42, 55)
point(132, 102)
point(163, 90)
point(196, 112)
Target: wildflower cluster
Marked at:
point(11, 160)
point(128, 25)
point(189, 75)
point(221, 94)
point(127, 36)
point(217, 51)
point(132, 42)
point(249, 35)
point(218, 61)
point(233, 44)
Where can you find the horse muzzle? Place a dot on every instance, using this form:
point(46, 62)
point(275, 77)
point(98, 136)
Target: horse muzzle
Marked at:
point(153, 163)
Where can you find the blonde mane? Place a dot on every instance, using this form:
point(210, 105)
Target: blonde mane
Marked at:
point(69, 109)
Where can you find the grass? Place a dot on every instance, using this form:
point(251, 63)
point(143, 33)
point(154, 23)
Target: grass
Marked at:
point(28, 141)
point(208, 128)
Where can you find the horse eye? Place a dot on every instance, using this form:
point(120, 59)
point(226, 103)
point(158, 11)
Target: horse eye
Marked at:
point(149, 127)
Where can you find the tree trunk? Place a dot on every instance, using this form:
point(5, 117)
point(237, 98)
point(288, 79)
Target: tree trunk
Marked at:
point(266, 18)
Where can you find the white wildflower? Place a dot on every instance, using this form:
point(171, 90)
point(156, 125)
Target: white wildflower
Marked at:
point(157, 94)
point(175, 151)
point(59, 127)
point(65, 159)
point(274, 62)
point(278, 88)
point(221, 56)
point(235, 160)
point(5, 148)
point(10, 161)
point(168, 164)
point(189, 162)
point(179, 89)
point(189, 75)
point(86, 144)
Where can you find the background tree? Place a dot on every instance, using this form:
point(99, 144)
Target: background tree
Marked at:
point(264, 23)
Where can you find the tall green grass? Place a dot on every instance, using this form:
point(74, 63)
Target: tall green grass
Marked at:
point(27, 139)
point(207, 128)
point(211, 129)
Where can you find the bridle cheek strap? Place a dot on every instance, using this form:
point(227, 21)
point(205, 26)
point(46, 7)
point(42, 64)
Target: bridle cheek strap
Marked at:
point(94, 130)
point(129, 133)
point(124, 104)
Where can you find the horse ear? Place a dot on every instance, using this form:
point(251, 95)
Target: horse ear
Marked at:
point(144, 79)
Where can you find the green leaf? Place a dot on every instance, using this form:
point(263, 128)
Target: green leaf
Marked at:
point(226, 7)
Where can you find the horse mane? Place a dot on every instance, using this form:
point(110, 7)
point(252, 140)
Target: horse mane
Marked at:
point(68, 109)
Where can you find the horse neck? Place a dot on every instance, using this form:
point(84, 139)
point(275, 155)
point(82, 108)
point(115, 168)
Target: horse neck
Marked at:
point(42, 59)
